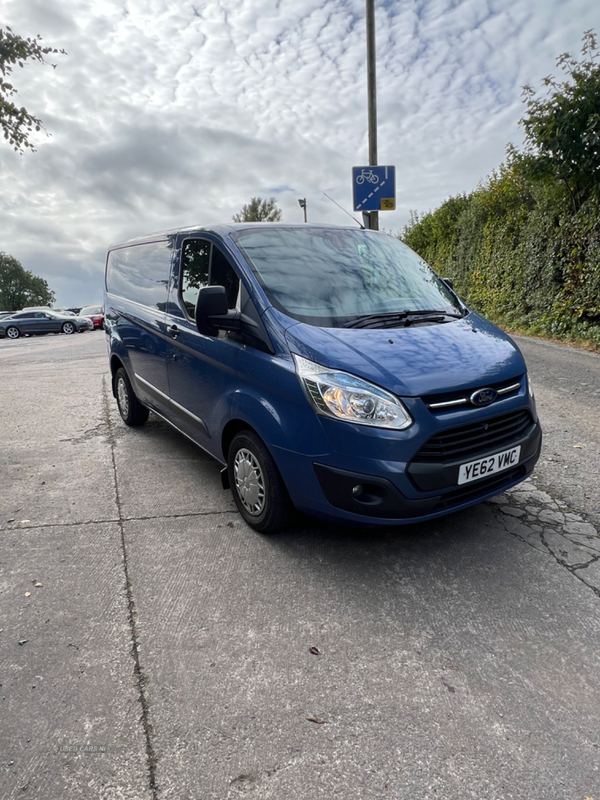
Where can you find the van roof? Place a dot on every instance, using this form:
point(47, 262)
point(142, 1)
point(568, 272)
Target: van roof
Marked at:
point(223, 229)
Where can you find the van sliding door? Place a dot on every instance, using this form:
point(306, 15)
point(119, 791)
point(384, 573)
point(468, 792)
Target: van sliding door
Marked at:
point(139, 276)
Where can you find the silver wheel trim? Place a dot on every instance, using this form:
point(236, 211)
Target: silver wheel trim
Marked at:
point(249, 481)
point(123, 396)
point(12, 333)
point(68, 327)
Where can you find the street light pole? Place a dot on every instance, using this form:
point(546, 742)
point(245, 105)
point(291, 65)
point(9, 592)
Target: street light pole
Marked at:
point(302, 204)
point(372, 97)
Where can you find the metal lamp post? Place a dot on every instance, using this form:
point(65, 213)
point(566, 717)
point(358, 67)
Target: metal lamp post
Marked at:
point(302, 204)
point(372, 98)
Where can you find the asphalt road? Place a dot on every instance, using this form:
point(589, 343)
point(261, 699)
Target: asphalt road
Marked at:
point(153, 646)
point(567, 384)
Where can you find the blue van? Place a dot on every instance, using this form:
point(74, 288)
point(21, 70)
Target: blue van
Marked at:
point(326, 368)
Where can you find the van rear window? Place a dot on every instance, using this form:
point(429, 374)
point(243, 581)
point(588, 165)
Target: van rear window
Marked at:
point(141, 273)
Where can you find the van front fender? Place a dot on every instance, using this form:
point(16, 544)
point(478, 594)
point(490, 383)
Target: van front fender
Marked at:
point(290, 425)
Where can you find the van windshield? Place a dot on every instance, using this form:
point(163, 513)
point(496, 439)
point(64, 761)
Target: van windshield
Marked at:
point(338, 277)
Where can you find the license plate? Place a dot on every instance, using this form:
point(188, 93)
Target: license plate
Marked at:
point(483, 467)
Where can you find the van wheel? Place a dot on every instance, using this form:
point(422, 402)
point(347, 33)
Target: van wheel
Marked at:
point(131, 410)
point(256, 485)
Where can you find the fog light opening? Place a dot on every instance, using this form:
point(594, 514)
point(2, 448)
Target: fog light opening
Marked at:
point(368, 494)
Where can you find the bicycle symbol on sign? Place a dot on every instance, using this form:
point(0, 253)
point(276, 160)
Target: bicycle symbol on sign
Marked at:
point(367, 175)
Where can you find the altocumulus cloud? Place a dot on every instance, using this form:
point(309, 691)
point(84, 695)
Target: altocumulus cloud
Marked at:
point(168, 113)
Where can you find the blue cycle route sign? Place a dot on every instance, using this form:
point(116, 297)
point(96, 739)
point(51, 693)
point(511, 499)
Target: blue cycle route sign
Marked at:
point(374, 188)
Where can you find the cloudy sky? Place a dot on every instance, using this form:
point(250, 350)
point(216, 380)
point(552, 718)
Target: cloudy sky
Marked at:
point(167, 113)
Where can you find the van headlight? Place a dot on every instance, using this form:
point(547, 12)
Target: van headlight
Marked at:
point(530, 388)
point(347, 397)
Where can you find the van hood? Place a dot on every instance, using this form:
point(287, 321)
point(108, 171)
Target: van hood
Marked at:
point(417, 360)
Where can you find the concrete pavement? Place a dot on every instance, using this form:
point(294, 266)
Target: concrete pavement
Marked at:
point(167, 653)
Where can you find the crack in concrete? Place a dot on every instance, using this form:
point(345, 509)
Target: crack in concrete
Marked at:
point(585, 564)
point(141, 677)
point(102, 429)
point(520, 512)
point(41, 525)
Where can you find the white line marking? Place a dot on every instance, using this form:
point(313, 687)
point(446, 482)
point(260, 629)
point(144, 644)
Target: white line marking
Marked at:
point(368, 197)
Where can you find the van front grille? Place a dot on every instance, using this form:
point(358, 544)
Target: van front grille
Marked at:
point(476, 438)
point(450, 400)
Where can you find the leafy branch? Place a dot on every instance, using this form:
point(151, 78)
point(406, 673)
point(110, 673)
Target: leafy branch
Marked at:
point(562, 130)
point(17, 123)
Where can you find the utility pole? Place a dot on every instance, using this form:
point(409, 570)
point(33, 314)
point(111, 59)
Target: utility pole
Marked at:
point(302, 204)
point(372, 98)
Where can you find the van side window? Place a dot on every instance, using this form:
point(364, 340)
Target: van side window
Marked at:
point(195, 261)
point(222, 274)
point(203, 264)
point(140, 272)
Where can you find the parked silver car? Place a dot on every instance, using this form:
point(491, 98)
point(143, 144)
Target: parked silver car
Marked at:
point(36, 323)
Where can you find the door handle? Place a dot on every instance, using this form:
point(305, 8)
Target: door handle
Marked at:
point(173, 330)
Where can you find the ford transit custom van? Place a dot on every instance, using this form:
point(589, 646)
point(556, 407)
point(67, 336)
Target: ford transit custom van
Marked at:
point(328, 369)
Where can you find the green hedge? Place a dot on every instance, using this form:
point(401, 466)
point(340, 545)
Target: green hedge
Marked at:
point(519, 254)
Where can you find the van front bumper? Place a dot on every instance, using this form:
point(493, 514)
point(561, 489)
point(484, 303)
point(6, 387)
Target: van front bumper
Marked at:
point(422, 491)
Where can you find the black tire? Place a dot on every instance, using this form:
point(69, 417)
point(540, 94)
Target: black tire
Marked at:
point(68, 327)
point(132, 412)
point(12, 332)
point(257, 487)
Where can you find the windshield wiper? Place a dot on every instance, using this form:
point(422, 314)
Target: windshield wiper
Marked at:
point(405, 318)
point(367, 320)
point(442, 311)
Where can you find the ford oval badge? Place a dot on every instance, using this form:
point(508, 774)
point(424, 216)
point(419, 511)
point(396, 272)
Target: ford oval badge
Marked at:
point(483, 397)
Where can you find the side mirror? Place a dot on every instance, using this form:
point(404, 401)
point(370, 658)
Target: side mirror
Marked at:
point(449, 283)
point(212, 313)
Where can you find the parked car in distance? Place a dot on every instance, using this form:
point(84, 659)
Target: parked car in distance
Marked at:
point(95, 313)
point(327, 368)
point(37, 323)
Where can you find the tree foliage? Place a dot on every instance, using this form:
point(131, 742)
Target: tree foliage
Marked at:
point(17, 123)
point(524, 247)
point(20, 288)
point(562, 130)
point(259, 210)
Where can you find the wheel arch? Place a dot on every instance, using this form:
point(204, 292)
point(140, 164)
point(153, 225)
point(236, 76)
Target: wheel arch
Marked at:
point(115, 364)
point(231, 429)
